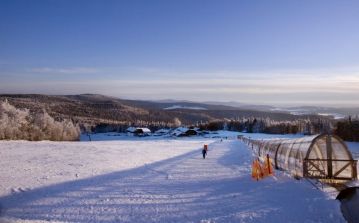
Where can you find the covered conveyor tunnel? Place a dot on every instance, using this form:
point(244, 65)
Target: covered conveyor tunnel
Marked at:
point(323, 157)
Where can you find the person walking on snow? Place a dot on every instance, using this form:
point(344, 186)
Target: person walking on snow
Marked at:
point(204, 153)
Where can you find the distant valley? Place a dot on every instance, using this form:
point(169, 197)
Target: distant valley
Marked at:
point(96, 109)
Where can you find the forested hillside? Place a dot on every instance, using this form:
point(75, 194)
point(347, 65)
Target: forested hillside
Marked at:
point(100, 113)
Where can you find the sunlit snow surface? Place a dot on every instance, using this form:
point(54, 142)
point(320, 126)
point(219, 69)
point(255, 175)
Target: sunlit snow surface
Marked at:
point(149, 180)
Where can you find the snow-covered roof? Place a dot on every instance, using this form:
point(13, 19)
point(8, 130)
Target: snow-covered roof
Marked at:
point(181, 129)
point(144, 130)
point(134, 129)
point(196, 129)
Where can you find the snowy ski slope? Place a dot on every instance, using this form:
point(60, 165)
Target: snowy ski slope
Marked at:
point(149, 181)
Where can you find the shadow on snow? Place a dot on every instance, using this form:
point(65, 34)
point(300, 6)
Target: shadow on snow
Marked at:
point(145, 195)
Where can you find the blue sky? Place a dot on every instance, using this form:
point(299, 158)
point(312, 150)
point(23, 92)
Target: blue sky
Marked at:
point(259, 52)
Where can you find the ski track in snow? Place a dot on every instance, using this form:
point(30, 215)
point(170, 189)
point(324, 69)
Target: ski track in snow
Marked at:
point(183, 188)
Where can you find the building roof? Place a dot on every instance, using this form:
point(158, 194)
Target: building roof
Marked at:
point(144, 130)
point(134, 129)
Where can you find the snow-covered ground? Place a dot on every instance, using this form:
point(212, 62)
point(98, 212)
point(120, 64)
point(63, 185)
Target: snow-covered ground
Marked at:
point(149, 180)
point(27, 165)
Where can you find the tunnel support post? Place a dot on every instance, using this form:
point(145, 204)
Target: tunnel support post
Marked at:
point(329, 156)
point(354, 168)
point(276, 157)
point(305, 168)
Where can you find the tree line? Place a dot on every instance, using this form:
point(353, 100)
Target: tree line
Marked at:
point(348, 129)
point(269, 126)
point(21, 123)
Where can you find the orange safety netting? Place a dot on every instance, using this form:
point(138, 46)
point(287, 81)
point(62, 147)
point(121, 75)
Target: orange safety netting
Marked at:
point(267, 167)
point(260, 171)
point(257, 172)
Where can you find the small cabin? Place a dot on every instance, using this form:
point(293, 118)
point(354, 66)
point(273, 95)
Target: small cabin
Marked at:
point(191, 132)
point(183, 131)
point(139, 131)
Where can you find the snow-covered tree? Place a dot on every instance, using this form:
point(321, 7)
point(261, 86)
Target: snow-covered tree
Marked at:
point(18, 124)
point(177, 122)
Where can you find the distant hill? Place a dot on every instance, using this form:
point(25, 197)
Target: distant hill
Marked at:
point(97, 109)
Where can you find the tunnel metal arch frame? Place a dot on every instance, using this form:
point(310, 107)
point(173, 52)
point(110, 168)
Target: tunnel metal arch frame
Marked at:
point(316, 168)
point(308, 163)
